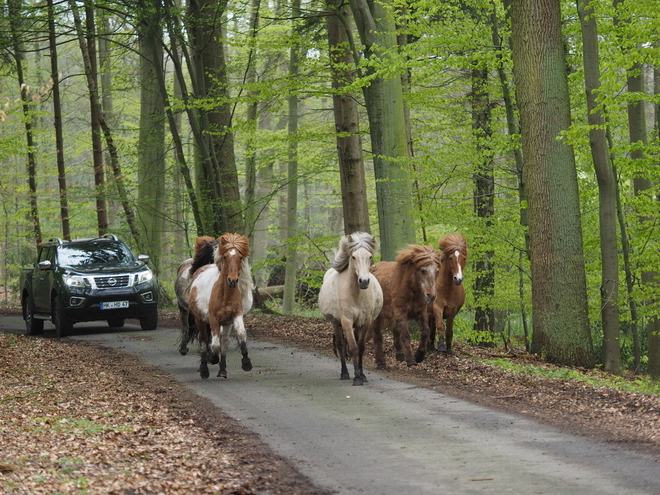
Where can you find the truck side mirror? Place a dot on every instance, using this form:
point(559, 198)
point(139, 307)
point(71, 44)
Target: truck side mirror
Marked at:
point(45, 265)
point(143, 258)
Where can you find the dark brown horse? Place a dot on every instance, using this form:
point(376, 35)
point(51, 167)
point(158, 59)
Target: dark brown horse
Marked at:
point(408, 288)
point(450, 290)
point(204, 248)
point(220, 295)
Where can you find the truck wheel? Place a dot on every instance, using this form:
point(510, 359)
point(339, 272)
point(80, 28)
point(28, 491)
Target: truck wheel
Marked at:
point(62, 324)
point(32, 325)
point(116, 322)
point(149, 322)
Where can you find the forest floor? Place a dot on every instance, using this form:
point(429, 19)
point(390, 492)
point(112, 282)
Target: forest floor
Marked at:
point(79, 418)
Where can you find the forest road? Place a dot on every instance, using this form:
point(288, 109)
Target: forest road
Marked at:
point(387, 437)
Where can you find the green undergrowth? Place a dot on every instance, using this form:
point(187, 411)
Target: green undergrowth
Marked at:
point(597, 379)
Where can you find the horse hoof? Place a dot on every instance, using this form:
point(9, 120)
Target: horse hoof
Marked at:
point(400, 357)
point(345, 376)
point(364, 378)
point(419, 356)
point(442, 348)
point(381, 366)
point(222, 374)
point(204, 374)
point(183, 351)
point(358, 381)
point(214, 359)
point(411, 362)
point(246, 364)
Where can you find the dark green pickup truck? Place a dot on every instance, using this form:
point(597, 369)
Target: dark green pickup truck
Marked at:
point(87, 280)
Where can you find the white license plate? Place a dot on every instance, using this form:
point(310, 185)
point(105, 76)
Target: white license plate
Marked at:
point(114, 305)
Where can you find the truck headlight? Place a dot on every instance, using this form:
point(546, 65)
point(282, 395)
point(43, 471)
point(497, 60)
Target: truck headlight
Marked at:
point(142, 277)
point(75, 281)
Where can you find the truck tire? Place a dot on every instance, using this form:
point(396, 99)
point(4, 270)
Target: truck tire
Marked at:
point(32, 325)
point(62, 324)
point(149, 322)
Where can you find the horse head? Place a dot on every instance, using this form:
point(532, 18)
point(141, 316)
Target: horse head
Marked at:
point(229, 255)
point(424, 262)
point(454, 255)
point(356, 251)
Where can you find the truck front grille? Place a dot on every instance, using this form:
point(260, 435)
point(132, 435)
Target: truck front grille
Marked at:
point(112, 282)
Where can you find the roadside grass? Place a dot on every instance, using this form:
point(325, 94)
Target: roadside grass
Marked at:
point(595, 378)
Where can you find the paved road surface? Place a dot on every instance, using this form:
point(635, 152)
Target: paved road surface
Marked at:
point(386, 437)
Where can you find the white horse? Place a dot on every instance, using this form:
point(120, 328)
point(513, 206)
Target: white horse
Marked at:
point(351, 298)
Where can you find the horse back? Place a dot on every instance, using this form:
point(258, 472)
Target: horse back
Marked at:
point(182, 283)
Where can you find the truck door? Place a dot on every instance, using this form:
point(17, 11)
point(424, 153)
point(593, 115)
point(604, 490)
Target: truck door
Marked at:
point(42, 280)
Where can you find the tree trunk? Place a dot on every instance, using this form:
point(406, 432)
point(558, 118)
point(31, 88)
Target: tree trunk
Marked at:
point(384, 102)
point(151, 143)
point(289, 298)
point(14, 9)
point(112, 150)
point(57, 120)
point(609, 289)
point(349, 141)
point(484, 203)
point(559, 293)
point(95, 113)
point(642, 186)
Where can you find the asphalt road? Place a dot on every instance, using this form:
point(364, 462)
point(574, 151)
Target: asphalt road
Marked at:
point(386, 437)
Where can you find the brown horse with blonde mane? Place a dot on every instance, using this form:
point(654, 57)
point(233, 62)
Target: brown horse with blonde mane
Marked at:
point(450, 290)
point(220, 295)
point(408, 288)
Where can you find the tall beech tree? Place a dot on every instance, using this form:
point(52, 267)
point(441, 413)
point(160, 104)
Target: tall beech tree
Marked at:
point(559, 290)
point(387, 127)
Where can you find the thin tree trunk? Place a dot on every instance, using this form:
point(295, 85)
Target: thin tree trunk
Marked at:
point(289, 297)
point(15, 15)
point(57, 120)
point(95, 114)
point(609, 289)
point(112, 150)
point(349, 141)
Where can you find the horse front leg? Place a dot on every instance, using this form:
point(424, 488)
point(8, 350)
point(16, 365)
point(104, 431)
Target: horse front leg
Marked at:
point(431, 342)
point(202, 331)
point(378, 343)
point(438, 314)
point(449, 332)
point(362, 343)
point(401, 336)
point(241, 335)
point(349, 338)
point(423, 321)
point(184, 319)
point(340, 348)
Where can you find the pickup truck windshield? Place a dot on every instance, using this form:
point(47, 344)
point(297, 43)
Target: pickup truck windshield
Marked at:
point(92, 254)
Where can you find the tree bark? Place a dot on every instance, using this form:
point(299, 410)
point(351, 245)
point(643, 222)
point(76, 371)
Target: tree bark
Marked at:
point(609, 288)
point(57, 121)
point(384, 102)
point(349, 141)
point(561, 330)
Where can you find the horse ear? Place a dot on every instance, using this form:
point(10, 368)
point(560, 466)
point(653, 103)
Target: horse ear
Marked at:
point(349, 238)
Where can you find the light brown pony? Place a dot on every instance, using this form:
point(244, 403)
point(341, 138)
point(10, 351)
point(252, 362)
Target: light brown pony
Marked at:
point(204, 248)
point(451, 293)
point(220, 295)
point(351, 298)
point(408, 288)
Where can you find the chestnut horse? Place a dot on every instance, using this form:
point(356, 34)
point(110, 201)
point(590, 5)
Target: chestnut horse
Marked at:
point(220, 295)
point(204, 247)
point(351, 298)
point(451, 293)
point(408, 288)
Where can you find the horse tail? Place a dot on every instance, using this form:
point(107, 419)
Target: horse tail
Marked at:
point(204, 248)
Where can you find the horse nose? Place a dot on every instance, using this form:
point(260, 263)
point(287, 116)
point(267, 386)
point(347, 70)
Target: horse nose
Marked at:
point(458, 280)
point(429, 299)
point(363, 283)
point(231, 282)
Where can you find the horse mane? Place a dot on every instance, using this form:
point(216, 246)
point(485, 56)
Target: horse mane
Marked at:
point(245, 283)
point(418, 255)
point(348, 244)
point(227, 242)
point(204, 249)
point(453, 242)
